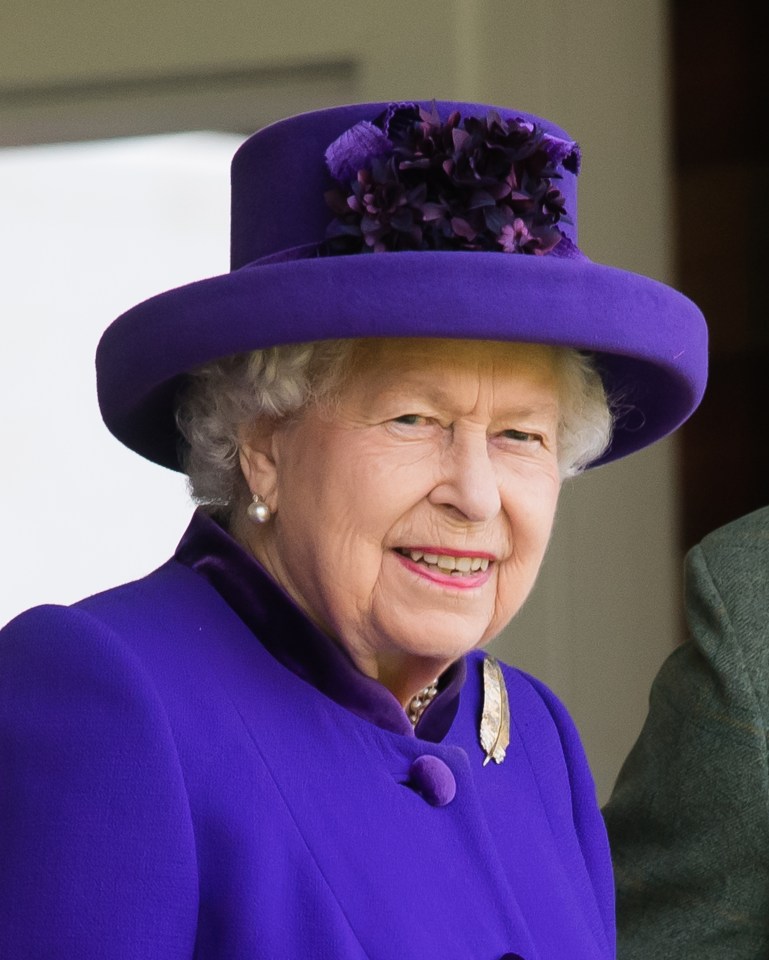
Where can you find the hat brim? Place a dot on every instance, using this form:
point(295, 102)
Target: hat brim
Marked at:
point(651, 341)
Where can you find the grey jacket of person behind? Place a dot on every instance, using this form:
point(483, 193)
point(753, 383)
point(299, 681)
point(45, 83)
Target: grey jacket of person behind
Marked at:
point(689, 816)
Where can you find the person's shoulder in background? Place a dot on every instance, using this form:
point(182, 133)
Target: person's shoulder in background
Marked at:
point(688, 819)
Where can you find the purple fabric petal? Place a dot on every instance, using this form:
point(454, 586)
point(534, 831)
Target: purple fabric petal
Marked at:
point(567, 250)
point(460, 138)
point(433, 211)
point(397, 118)
point(462, 228)
point(352, 150)
point(565, 152)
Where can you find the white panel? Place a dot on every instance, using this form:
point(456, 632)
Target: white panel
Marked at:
point(89, 230)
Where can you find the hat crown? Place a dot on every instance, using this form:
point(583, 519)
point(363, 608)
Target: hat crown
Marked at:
point(280, 177)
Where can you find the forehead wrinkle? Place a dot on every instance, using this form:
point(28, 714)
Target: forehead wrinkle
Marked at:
point(445, 398)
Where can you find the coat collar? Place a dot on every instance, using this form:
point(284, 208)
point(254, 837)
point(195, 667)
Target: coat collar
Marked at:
point(289, 636)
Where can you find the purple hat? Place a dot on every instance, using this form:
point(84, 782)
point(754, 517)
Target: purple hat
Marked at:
point(450, 220)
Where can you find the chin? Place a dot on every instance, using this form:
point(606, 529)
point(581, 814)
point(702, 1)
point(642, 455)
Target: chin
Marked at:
point(434, 645)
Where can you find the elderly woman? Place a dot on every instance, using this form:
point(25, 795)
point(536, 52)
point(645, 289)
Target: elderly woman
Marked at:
point(285, 742)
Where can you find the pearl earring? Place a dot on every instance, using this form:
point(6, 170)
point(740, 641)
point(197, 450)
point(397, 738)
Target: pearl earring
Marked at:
point(258, 511)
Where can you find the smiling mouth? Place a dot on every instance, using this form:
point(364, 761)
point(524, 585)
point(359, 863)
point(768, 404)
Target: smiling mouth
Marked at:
point(455, 566)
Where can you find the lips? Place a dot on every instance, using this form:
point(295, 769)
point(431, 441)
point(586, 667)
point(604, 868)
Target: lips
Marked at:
point(455, 565)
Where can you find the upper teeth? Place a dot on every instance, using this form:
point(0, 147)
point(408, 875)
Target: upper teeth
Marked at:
point(445, 562)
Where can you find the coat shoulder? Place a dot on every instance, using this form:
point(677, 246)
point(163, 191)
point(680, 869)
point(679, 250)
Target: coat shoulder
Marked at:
point(81, 722)
point(739, 543)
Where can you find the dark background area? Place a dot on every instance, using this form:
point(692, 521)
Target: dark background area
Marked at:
point(721, 151)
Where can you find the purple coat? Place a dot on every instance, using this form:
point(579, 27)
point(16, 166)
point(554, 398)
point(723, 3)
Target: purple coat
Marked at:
point(170, 790)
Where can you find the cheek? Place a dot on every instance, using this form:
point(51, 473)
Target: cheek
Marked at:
point(371, 492)
point(515, 580)
point(530, 512)
point(339, 521)
point(529, 501)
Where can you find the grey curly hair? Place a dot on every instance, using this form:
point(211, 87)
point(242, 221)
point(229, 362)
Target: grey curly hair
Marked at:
point(278, 382)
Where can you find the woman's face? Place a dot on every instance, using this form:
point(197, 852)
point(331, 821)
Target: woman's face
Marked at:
point(410, 521)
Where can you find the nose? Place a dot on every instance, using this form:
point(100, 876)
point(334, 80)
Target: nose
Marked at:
point(468, 481)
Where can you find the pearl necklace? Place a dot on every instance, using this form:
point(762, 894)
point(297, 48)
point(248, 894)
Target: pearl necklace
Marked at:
point(421, 701)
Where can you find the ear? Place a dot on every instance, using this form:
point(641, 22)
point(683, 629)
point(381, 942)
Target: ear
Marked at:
point(256, 452)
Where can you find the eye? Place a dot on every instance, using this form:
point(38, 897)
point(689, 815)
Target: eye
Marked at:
point(522, 436)
point(412, 426)
point(411, 419)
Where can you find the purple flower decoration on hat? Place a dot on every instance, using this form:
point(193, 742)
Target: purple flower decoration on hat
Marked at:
point(411, 181)
point(355, 148)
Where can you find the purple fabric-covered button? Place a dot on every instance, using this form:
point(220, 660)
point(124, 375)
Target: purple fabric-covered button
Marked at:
point(511, 956)
point(433, 780)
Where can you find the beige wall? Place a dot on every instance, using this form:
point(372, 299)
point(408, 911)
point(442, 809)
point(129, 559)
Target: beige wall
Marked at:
point(605, 611)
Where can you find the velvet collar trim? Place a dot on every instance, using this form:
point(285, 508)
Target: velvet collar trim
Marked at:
point(289, 636)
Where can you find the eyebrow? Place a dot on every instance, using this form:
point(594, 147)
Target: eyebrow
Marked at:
point(442, 397)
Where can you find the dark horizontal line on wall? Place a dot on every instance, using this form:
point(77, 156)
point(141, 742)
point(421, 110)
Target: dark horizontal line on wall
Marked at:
point(238, 99)
point(114, 87)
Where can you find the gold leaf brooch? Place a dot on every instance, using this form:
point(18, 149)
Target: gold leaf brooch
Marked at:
point(495, 720)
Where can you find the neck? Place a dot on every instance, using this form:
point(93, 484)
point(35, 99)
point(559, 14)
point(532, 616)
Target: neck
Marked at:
point(410, 679)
